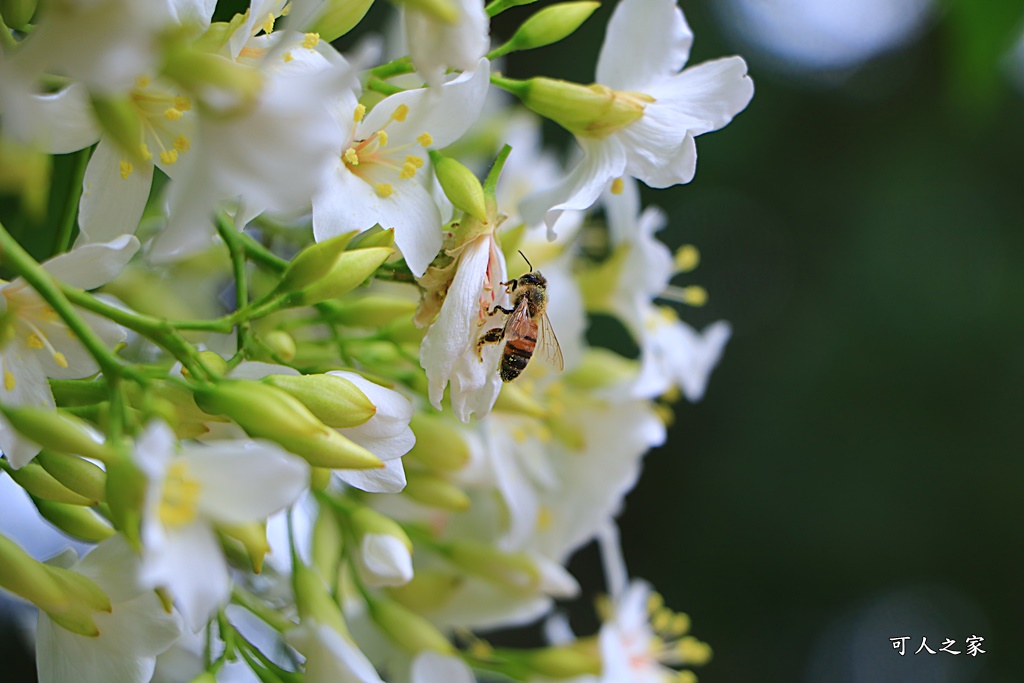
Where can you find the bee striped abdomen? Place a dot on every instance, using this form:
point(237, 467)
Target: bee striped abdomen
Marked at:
point(516, 355)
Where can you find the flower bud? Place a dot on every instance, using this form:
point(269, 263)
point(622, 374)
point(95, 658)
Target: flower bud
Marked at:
point(119, 119)
point(338, 17)
point(442, 10)
point(601, 368)
point(81, 476)
point(407, 629)
point(314, 601)
point(591, 111)
point(281, 344)
point(313, 263)
point(433, 491)
point(85, 599)
point(267, 412)
point(385, 551)
point(374, 237)
point(17, 13)
point(126, 489)
point(41, 484)
point(253, 537)
point(461, 187)
point(221, 84)
point(373, 311)
point(212, 361)
point(514, 570)
point(335, 401)
point(57, 431)
point(27, 577)
point(440, 445)
point(561, 662)
point(326, 545)
point(74, 520)
point(548, 26)
point(350, 271)
point(428, 590)
point(514, 399)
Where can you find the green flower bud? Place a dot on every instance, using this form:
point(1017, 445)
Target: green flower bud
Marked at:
point(513, 399)
point(513, 570)
point(253, 537)
point(335, 401)
point(74, 520)
point(433, 491)
point(366, 520)
point(77, 392)
point(267, 412)
point(407, 629)
point(314, 601)
point(119, 119)
point(281, 344)
point(561, 662)
point(374, 237)
point(85, 599)
point(338, 17)
point(326, 545)
point(601, 368)
point(17, 13)
point(56, 431)
point(439, 443)
point(80, 476)
point(40, 484)
point(592, 111)
point(26, 577)
point(548, 26)
point(350, 271)
point(461, 187)
point(428, 590)
point(313, 263)
point(126, 495)
point(443, 10)
point(212, 361)
point(373, 311)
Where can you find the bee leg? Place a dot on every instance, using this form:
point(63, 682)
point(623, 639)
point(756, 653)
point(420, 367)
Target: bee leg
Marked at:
point(506, 311)
point(510, 286)
point(491, 336)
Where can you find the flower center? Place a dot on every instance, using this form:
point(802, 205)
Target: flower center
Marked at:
point(179, 501)
point(380, 165)
point(25, 318)
point(161, 113)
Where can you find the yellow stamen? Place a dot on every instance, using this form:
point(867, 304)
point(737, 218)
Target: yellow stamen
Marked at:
point(383, 189)
point(144, 152)
point(695, 295)
point(359, 113)
point(142, 81)
point(686, 676)
point(618, 185)
point(544, 518)
point(178, 504)
point(172, 114)
point(182, 103)
point(351, 157)
point(401, 112)
point(182, 144)
point(34, 342)
point(126, 169)
point(414, 160)
point(687, 258)
point(287, 56)
point(425, 139)
point(169, 157)
point(680, 624)
point(408, 171)
point(693, 651)
point(9, 380)
point(654, 602)
point(268, 24)
point(382, 138)
point(311, 40)
point(59, 359)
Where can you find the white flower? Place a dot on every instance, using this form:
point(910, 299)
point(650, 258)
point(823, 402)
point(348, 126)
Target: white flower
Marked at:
point(435, 45)
point(232, 482)
point(330, 656)
point(674, 354)
point(136, 630)
point(374, 177)
point(645, 47)
point(434, 667)
point(449, 349)
point(276, 150)
point(383, 560)
point(35, 343)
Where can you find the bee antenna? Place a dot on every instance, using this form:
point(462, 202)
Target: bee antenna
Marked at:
point(526, 259)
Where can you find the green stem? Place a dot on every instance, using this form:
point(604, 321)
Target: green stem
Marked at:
point(397, 67)
point(63, 238)
point(229, 233)
point(7, 40)
point(50, 291)
point(383, 87)
point(272, 617)
point(261, 255)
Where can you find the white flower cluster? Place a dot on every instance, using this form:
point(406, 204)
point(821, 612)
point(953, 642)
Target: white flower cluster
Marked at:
point(325, 421)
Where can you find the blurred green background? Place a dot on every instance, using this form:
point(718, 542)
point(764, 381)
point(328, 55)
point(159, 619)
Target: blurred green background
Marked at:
point(854, 472)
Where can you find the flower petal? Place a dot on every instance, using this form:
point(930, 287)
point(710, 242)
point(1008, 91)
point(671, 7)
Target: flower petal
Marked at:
point(93, 265)
point(435, 44)
point(330, 657)
point(387, 479)
point(65, 117)
point(705, 97)
point(646, 40)
point(112, 205)
point(430, 667)
point(29, 388)
point(384, 561)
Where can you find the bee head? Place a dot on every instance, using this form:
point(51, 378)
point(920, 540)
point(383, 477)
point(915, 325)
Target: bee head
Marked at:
point(533, 278)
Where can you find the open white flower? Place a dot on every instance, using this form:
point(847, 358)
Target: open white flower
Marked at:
point(449, 349)
point(645, 47)
point(375, 176)
point(436, 45)
point(131, 635)
point(330, 656)
point(231, 482)
point(35, 343)
point(433, 667)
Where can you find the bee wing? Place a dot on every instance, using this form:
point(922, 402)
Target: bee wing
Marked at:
point(549, 343)
point(518, 325)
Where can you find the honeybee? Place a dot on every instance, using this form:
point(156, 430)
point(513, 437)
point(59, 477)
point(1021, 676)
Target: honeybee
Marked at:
point(526, 327)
